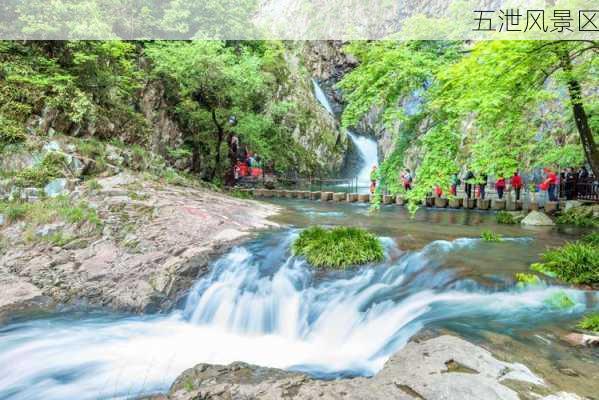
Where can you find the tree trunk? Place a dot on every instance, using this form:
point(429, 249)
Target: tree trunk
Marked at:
point(580, 117)
point(219, 141)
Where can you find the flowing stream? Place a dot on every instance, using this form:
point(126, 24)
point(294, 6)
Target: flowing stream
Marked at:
point(261, 305)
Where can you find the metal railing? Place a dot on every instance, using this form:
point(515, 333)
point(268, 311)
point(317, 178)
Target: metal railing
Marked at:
point(347, 185)
point(587, 190)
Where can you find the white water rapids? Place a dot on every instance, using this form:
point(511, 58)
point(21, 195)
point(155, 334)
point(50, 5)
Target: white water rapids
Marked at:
point(259, 305)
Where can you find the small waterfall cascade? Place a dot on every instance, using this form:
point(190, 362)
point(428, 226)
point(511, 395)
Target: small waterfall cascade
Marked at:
point(367, 147)
point(261, 305)
point(322, 97)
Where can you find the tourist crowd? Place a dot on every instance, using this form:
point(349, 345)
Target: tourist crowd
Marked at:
point(570, 183)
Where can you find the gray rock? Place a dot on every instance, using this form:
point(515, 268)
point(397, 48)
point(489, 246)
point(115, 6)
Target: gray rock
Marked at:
point(29, 193)
point(570, 204)
point(49, 229)
point(537, 218)
point(445, 368)
point(56, 187)
point(2, 219)
point(52, 146)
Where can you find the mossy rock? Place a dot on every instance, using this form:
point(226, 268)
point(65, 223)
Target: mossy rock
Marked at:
point(524, 279)
point(338, 248)
point(560, 300)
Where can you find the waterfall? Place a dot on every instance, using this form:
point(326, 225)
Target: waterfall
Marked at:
point(368, 149)
point(321, 97)
point(261, 305)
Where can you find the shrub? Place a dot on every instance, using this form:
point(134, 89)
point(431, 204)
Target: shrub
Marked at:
point(11, 132)
point(504, 217)
point(338, 247)
point(240, 194)
point(489, 236)
point(576, 263)
point(590, 323)
point(579, 216)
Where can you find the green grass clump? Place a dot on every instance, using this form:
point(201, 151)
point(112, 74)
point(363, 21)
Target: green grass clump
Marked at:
point(590, 323)
point(489, 236)
point(560, 300)
point(525, 279)
point(11, 132)
point(52, 166)
point(579, 216)
point(504, 217)
point(591, 238)
point(576, 263)
point(49, 210)
point(240, 194)
point(338, 247)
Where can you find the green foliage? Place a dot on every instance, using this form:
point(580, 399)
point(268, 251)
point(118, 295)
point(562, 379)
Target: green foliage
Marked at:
point(504, 217)
point(579, 216)
point(560, 300)
point(590, 323)
point(576, 263)
point(338, 247)
point(484, 106)
point(52, 166)
point(51, 209)
point(11, 132)
point(525, 279)
point(490, 236)
point(591, 239)
point(240, 194)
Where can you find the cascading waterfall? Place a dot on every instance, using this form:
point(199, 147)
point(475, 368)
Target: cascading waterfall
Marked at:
point(367, 147)
point(261, 305)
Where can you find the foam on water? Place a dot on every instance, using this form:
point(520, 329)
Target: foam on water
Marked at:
point(262, 306)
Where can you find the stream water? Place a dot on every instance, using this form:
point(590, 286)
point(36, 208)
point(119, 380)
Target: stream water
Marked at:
point(261, 305)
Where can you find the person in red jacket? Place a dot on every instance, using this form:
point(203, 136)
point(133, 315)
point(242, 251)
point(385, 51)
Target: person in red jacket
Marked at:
point(500, 186)
point(551, 183)
point(517, 184)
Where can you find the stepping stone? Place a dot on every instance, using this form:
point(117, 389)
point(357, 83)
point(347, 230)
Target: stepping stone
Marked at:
point(440, 202)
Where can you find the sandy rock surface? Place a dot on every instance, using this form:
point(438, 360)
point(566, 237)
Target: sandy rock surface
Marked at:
point(156, 240)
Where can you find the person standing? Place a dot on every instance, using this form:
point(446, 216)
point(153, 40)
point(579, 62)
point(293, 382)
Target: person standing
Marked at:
point(570, 178)
point(455, 181)
point(550, 183)
point(406, 177)
point(373, 178)
point(516, 183)
point(482, 185)
point(500, 186)
point(468, 183)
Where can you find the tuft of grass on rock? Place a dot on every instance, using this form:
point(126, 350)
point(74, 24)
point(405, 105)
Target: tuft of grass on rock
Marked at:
point(590, 323)
point(591, 239)
point(489, 236)
point(49, 210)
point(578, 216)
point(504, 217)
point(339, 247)
point(52, 166)
point(576, 263)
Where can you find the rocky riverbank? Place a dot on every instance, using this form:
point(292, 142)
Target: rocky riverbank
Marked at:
point(444, 367)
point(150, 241)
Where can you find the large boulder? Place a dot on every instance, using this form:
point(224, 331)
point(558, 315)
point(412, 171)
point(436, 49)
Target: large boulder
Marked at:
point(445, 367)
point(536, 218)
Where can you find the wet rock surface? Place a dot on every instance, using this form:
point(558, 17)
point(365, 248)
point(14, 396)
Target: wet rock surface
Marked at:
point(156, 240)
point(444, 367)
